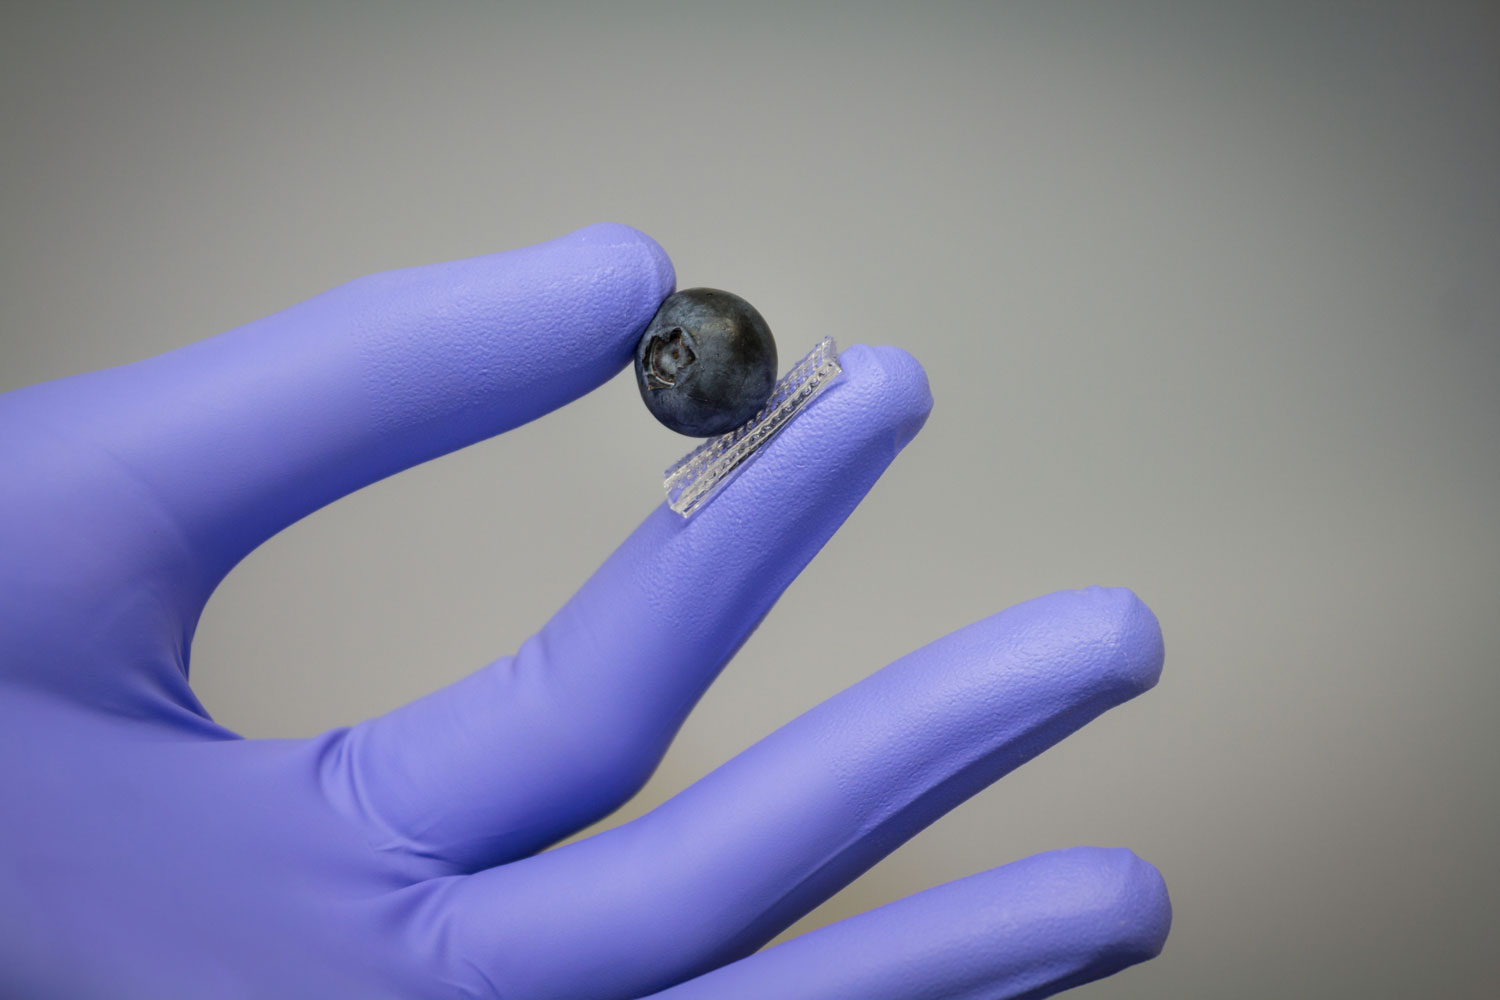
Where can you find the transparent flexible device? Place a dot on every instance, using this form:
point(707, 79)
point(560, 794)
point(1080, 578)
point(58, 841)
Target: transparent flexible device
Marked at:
point(699, 476)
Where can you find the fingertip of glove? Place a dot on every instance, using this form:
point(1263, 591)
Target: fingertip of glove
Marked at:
point(1142, 650)
point(1116, 902)
point(639, 255)
point(894, 383)
point(1117, 633)
point(1135, 913)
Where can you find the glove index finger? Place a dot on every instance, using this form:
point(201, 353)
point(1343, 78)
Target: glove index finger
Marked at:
point(244, 433)
point(471, 348)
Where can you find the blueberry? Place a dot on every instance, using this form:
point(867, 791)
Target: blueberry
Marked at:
point(707, 362)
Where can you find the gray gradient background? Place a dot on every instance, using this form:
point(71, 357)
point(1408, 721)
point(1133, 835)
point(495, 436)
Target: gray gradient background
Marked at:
point(1207, 295)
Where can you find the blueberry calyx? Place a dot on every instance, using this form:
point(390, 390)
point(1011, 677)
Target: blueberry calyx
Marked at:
point(667, 357)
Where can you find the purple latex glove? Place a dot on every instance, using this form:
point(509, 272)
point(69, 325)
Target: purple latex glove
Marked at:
point(147, 852)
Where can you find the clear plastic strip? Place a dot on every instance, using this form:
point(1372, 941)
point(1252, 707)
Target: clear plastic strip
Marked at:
point(699, 476)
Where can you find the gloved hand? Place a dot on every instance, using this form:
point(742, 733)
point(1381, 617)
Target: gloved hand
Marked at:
point(147, 852)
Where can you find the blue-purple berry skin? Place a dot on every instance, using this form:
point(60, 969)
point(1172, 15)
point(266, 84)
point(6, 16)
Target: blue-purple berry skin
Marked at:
point(706, 363)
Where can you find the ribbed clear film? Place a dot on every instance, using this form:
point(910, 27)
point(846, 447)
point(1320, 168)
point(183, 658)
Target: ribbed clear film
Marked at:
point(697, 478)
